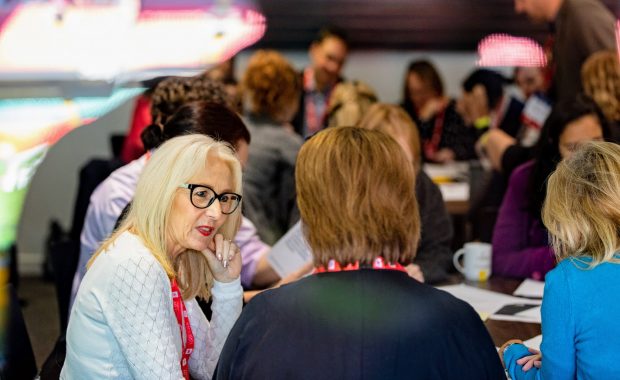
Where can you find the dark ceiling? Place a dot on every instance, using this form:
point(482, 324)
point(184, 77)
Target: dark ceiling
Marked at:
point(398, 24)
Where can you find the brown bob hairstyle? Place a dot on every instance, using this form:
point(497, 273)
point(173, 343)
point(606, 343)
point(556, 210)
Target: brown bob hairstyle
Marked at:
point(356, 196)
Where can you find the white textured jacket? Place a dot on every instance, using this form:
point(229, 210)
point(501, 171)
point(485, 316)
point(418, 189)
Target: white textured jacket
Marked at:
point(123, 326)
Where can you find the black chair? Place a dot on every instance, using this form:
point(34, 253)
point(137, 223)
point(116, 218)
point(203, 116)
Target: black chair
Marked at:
point(64, 251)
point(487, 193)
point(20, 363)
point(116, 142)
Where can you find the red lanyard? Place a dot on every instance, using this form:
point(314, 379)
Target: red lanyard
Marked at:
point(187, 344)
point(432, 146)
point(313, 120)
point(378, 263)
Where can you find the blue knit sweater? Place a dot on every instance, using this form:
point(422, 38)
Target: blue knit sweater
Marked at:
point(580, 324)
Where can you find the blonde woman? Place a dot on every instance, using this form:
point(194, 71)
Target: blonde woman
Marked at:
point(135, 314)
point(434, 257)
point(580, 311)
point(348, 103)
point(359, 315)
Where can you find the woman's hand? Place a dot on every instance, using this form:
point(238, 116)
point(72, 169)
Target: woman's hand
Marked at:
point(224, 259)
point(494, 145)
point(432, 107)
point(530, 361)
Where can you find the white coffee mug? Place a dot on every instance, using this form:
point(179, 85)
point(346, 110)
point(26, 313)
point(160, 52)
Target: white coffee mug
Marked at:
point(476, 263)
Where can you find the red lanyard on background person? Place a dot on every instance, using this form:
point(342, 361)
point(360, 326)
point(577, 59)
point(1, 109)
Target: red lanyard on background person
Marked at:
point(431, 146)
point(187, 344)
point(313, 120)
point(379, 263)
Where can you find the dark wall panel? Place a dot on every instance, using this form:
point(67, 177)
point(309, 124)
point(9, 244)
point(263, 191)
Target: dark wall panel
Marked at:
point(398, 24)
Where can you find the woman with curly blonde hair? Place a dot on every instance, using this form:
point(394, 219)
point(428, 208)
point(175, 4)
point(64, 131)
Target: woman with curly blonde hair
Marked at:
point(600, 76)
point(271, 91)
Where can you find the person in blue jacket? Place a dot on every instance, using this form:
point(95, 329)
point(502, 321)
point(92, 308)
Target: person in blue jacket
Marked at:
point(580, 310)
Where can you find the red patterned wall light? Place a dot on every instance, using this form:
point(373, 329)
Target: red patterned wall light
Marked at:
point(506, 50)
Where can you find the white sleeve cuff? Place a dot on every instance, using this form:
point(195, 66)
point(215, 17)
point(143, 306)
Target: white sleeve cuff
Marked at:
point(227, 289)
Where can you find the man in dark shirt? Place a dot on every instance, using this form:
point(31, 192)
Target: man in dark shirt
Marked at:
point(581, 27)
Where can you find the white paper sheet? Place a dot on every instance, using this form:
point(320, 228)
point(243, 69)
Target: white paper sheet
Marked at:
point(453, 192)
point(530, 288)
point(487, 303)
point(452, 170)
point(290, 253)
point(534, 342)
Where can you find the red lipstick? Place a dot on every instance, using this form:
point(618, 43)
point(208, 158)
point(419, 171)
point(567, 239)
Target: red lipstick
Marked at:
point(205, 230)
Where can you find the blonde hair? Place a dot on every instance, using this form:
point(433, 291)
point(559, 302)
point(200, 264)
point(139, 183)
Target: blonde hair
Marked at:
point(394, 121)
point(174, 163)
point(271, 85)
point(600, 75)
point(356, 196)
point(582, 207)
point(348, 103)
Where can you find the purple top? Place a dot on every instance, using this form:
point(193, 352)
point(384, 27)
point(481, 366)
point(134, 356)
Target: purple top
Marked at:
point(252, 250)
point(520, 243)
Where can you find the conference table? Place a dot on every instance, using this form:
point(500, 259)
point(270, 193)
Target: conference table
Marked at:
point(501, 331)
point(460, 183)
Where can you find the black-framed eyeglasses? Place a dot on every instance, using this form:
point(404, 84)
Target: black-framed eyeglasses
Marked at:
point(203, 196)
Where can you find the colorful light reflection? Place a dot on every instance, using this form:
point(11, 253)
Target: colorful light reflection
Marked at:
point(103, 41)
point(28, 127)
point(95, 40)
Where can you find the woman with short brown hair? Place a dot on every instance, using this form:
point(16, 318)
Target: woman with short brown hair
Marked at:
point(359, 315)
